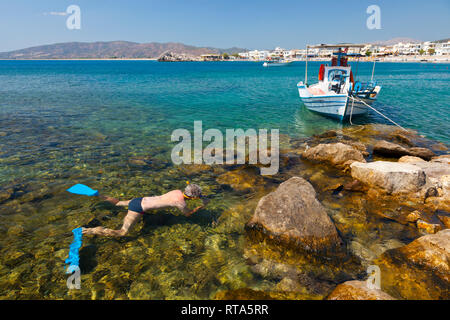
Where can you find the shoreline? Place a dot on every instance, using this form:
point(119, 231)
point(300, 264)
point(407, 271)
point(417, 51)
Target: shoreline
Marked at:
point(400, 59)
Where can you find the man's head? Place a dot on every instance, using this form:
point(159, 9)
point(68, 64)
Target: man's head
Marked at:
point(193, 191)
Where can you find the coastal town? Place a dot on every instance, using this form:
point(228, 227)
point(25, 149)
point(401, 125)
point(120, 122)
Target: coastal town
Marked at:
point(428, 51)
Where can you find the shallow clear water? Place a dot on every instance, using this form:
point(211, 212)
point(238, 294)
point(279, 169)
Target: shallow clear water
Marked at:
point(108, 124)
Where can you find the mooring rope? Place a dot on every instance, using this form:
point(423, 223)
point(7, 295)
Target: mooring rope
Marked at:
point(351, 112)
point(377, 112)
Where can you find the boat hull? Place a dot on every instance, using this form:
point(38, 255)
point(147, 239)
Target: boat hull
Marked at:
point(338, 106)
point(276, 64)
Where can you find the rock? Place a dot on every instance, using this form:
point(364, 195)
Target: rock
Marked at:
point(403, 138)
point(435, 172)
point(431, 192)
point(419, 270)
point(428, 227)
point(414, 216)
point(338, 154)
point(392, 177)
point(410, 159)
point(292, 213)
point(242, 294)
point(357, 290)
point(5, 195)
point(444, 217)
point(445, 185)
point(423, 153)
point(355, 185)
point(442, 159)
point(15, 231)
point(289, 285)
point(389, 149)
point(243, 179)
point(172, 57)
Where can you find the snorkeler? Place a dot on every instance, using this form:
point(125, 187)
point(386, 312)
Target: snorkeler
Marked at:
point(138, 206)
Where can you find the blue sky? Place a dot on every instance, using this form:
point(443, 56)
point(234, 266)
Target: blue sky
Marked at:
point(249, 24)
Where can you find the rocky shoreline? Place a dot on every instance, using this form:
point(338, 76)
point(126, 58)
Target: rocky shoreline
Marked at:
point(300, 234)
point(177, 57)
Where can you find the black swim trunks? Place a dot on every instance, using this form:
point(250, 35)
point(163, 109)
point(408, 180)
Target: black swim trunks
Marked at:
point(136, 206)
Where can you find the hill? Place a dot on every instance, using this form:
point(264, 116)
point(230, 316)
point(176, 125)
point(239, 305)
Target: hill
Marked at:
point(111, 49)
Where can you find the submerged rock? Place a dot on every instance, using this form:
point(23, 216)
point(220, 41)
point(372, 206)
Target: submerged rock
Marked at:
point(444, 217)
point(428, 227)
point(338, 154)
point(419, 270)
point(392, 177)
point(357, 290)
point(243, 179)
point(292, 213)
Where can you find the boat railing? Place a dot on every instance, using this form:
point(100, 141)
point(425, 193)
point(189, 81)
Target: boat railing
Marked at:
point(360, 87)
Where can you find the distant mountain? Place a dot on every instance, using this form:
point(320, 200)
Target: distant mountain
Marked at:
point(111, 49)
point(395, 41)
point(443, 40)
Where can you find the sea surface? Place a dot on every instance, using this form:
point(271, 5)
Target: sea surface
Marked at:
point(108, 124)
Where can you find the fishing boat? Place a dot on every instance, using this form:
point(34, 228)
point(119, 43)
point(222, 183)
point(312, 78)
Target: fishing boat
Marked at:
point(277, 63)
point(336, 94)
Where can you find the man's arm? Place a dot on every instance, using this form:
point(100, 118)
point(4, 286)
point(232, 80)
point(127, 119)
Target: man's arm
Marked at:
point(188, 213)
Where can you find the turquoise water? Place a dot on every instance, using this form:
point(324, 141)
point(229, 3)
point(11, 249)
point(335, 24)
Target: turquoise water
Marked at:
point(108, 124)
point(137, 104)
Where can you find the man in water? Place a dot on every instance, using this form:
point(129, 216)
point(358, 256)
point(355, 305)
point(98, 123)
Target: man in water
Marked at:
point(138, 206)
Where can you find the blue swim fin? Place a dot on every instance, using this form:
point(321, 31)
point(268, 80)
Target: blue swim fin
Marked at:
point(74, 258)
point(83, 190)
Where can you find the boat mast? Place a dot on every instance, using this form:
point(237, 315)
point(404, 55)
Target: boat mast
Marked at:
point(357, 62)
point(373, 70)
point(306, 67)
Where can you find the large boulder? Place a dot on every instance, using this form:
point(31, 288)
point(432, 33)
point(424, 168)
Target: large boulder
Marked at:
point(293, 214)
point(337, 154)
point(357, 290)
point(392, 177)
point(419, 270)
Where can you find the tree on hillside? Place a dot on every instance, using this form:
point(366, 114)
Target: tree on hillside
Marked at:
point(225, 56)
point(368, 53)
point(431, 51)
point(421, 52)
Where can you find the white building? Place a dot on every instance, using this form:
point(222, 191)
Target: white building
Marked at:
point(442, 49)
point(243, 55)
point(407, 48)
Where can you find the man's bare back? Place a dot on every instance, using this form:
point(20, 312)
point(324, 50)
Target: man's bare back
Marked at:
point(173, 198)
point(136, 207)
